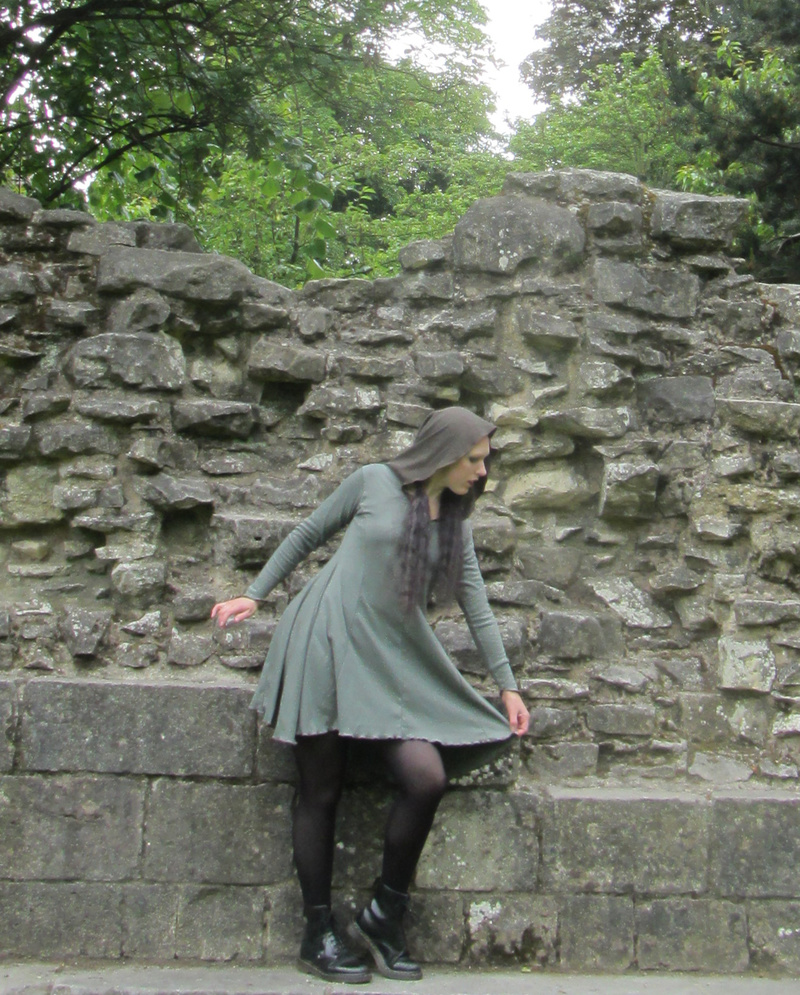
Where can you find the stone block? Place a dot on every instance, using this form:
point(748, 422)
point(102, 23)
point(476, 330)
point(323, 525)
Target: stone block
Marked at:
point(137, 728)
point(482, 841)
point(218, 419)
point(360, 827)
point(702, 719)
point(67, 828)
point(220, 924)
point(622, 720)
point(142, 360)
point(571, 635)
point(746, 664)
point(150, 918)
point(8, 722)
point(15, 207)
point(557, 761)
point(660, 292)
point(770, 419)
point(497, 234)
point(196, 276)
point(213, 833)
point(596, 932)
point(755, 844)
point(550, 486)
point(618, 840)
point(590, 423)
point(774, 929)
point(274, 761)
point(436, 927)
point(273, 361)
point(59, 919)
point(696, 221)
point(628, 489)
point(512, 929)
point(683, 934)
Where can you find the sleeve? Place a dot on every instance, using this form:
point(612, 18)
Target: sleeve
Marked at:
point(332, 515)
point(480, 618)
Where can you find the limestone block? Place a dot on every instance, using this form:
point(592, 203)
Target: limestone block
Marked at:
point(657, 291)
point(614, 218)
point(223, 419)
point(512, 929)
point(691, 935)
point(551, 485)
point(571, 635)
point(556, 722)
point(13, 441)
point(755, 844)
point(144, 360)
point(96, 240)
point(141, 579)
point(274, 761)
point(774, 929)
point(695, 221)
point(457, 640)
point(772, 419)
point(482, 841)
point(16, 284)
point(557, 761)
point(702, 719)
point(249, 539)
point(596, 932)
point(590, 423)
point(130, 728)
point(273, 361)
point(435, 928)
point(718, 769)
point(426, 287)
point(84, 630)
point(115, 407)
point(439, 366)
point(677, 400)
point(786, 725)
point(176, 493)
point(762, 611)
point(144, 311)
point(541, 328)
point(628, 488)
point(497, 234)
point(71, 314)
point(191, 275)
point(8, 719)
point(622, 720)
point(28, 497)
point(72, 437)
point(462, 325)
point(67, 828)
point(214, 833)
point(164, 235)
point(370, 367)
point(554, 689)
point(746, 664)
point(187, 649)
point(617, 840)
point(412, 415)
point(630, 679)
point(15, 207)
point(324, 402)
point(601, 378)
point(636, 608)
point(59, 919)
point(423, 254)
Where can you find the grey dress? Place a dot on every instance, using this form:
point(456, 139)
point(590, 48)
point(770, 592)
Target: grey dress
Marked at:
point(344, 655)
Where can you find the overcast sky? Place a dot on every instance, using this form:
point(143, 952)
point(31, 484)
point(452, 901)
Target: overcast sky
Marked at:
point(511, 26)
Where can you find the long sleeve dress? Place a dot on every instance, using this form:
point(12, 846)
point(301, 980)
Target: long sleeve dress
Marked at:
point(346, 657)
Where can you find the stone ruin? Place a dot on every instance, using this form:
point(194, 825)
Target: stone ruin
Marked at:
point(166, 417)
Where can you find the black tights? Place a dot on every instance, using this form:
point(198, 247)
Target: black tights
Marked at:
point(417, 768)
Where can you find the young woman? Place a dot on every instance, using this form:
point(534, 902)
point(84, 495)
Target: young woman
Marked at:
point(354, 658)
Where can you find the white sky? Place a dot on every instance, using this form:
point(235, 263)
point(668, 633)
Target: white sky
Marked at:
point(511, 26)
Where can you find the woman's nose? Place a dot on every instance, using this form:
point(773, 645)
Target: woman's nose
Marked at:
point(482, 469)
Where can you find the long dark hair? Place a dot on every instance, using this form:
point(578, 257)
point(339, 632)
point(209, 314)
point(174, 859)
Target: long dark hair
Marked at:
point(415, 542)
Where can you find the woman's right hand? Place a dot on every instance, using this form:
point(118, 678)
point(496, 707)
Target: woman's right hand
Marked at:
point(235, 610)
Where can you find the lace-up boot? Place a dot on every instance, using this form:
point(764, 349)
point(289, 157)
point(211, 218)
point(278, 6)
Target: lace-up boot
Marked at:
point(323, 951)
point(380, 925)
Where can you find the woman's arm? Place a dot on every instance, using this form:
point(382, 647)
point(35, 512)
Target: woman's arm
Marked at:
point(332, 515)
point(486, 633)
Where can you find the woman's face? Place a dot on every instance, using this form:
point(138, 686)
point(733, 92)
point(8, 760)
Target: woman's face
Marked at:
point(461, 475)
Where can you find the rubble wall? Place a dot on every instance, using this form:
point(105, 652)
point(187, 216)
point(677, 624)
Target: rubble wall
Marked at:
point(166, 418)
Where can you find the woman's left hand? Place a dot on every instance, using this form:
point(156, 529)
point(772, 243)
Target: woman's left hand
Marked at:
point(518, 717)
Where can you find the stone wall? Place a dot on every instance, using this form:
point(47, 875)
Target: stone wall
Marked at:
point(166, 417)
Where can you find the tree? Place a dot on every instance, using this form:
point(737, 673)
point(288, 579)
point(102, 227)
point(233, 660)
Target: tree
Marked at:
point(621, 119)
point(86, 83)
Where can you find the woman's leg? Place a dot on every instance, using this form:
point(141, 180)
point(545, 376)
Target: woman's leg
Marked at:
point(417, 767)
point(321, 765)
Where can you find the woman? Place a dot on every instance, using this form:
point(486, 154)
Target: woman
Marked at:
point(354, 658)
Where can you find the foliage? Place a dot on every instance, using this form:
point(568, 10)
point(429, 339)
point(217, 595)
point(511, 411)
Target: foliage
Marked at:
point(622, 119)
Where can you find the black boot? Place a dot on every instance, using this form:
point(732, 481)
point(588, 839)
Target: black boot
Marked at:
point(323, 951)
point(380, 926)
